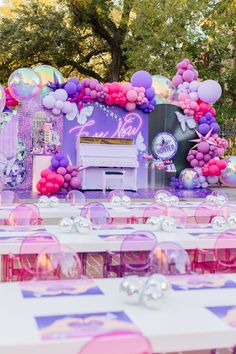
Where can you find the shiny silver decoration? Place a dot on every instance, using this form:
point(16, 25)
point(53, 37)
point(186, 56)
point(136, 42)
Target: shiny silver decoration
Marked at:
point(159, 280)
point(116, 201)
point(154, 222)
point(82, 225)
point(125, 201)
point(67, 225)
point(217, 199)
point(174, 200)
point(231, 220)
point(152, 296)
point(43, 201)
point(161, 197)
point(131, 289)
point(218, 222)
point(168, 224)
point(54, 201)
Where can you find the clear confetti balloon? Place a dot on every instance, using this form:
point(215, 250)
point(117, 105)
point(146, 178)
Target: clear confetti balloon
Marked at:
point(24, 84)
point(2, 99)
point(228, 175)
point(163, 90)
point(188, 178)
point(46, 73)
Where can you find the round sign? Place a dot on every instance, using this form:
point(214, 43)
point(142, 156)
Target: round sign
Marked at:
point(164, 146)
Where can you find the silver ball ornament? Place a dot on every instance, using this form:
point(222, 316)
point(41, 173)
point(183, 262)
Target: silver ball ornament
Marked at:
point(126, 201)
point(159, 280)
point(66, 224)
point(54, 201)
point(82, 225)
point(174, 200)
point(152, 296)
point(43, 201)
point(218, 222)
point(161, 197)
point(131, 289)
point(231, 221)
point(154, 223)
point(116, 201)
point(211, 198)
point(168, 224)
point(220, 200)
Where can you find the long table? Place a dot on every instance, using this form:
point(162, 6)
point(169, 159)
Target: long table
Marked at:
point(109, 238)
point(59, 322)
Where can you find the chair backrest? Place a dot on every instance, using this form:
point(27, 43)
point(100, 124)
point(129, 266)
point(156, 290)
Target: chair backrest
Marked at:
point(178, 214)
point(225, 248)
point(205, 212)
point(75, 197)
point(226, 210)
point(170, 259)
point(58, 262)
point(155, 209)
point(118, 343)
point(33, 245)
point(24, 215)
point(9, 197)
point(96, 213)
point(135, 249)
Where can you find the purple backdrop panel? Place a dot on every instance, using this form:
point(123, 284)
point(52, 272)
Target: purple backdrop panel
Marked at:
point(8, 135)
point(109, 122)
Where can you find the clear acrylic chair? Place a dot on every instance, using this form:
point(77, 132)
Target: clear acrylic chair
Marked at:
point(178, 214)
point(75, 197)
point(169, 258)
point(118, 343)
point(205, 212)
point(24, 215)
point(118, 198)
point(155, 209)
point(133, 256)
point(225, 251)
point(58, 262)
point(9, 197)
point(96, 213)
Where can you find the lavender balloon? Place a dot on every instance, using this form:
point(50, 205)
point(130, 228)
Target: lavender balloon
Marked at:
point(141, 78)
point(209, 91)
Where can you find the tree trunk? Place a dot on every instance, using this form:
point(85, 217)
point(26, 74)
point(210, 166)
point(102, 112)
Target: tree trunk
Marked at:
point(116, 64)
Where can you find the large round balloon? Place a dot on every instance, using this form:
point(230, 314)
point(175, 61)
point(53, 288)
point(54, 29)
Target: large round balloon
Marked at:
point(163, 90)
point(47, 73)
point(24, 84)
point(228, 175)
point(2, 99)
point(16, 175)
point(209, 91)
point(188, 179)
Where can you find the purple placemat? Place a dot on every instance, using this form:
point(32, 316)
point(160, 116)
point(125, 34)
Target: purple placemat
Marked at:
point(226, 313)
point(201, 282)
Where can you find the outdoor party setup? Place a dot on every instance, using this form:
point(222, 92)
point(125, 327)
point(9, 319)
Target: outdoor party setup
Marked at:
point(61, 134)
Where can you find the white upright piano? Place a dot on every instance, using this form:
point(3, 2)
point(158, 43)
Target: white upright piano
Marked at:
point(109, 163)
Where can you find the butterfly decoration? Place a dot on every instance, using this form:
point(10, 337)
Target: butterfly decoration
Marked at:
point(81, 115)
point(186, 121)
point(140, 143)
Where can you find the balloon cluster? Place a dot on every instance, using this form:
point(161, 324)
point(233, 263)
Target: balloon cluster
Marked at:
point(50, 182)
point(206, 123)
point(214, 168)
point(185, 73)
point(193, 179)
point(57, 102)
point(69, 173)
point(10, 101)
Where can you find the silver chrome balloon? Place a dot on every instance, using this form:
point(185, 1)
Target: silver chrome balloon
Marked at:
point(161, 197)
point(43, 201)
point(159, 280)
point(67, 225)
point(54, 201)
point(154, 222)
point(131, 289)
point(82, 225)
point(218, 222)
point(116, 201)
point(152, 296)
point(168, 224)
point(174, 200)
point(125, 201)
point(231, 221)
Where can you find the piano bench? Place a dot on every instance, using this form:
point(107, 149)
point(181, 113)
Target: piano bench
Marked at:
point(114, 176)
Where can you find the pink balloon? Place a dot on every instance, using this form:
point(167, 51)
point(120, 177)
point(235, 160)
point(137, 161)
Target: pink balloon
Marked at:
point(75, 182)
point(203, 147)
point(93, 83)
point(61, 171)
point(194, 163)
point(87, 91)
point(199, 156)
point(183, 96)
point(130, 106)
point(177, 80)
point(188, 75)
point(67, 177)
point(131, 96)
point(70, 168)
point(126, 87)
point(93, 94)
point(114, 87)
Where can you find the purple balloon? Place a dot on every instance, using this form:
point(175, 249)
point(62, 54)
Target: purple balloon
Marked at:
point(70, 169)
point(212, 179)
point(71, 88)
point(215, 128)
point(55, 163)
point(202, 119)
point(74, 79)
point(150, 93)
point(59, 156)
point(141, 78)
point(75, 182)
point(64, 162)
point(67, 177)
point(209, 91)
point(203, 147)
point(203, 128)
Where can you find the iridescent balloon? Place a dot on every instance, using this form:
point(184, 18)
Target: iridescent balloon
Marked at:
point(2, 99)
point(24, 84)
point(228, 175)
point(46, 73)
point(188, 178)
point(164, 92)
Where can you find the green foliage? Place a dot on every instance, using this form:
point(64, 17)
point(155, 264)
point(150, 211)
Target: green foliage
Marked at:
point(110, 39)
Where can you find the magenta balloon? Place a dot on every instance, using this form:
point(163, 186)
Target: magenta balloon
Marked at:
point(61, 171)
point(70, 168)
point(209, 91)
point(141, 78)
point(194, 163)
point(75, 182)
point(188, 75)
point(74, 174)
point(67, 177)
point(203, 147)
